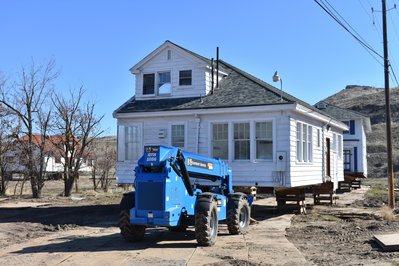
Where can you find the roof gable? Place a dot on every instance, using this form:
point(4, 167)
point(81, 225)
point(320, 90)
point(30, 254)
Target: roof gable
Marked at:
point(168, 45)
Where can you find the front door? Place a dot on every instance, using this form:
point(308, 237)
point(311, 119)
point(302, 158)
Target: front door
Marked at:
point(328, 158)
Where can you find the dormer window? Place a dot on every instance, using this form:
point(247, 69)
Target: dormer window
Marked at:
point(164, 86)
point(185, 77)
point(148, 84)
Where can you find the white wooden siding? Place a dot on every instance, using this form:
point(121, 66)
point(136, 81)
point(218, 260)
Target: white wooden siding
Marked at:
point(305, 173)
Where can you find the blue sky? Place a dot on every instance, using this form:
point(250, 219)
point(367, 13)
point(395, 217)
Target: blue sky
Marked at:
point(94, 43)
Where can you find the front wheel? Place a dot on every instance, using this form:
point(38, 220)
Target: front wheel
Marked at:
point(130, 232)
point(238, 216)
point(206, 225)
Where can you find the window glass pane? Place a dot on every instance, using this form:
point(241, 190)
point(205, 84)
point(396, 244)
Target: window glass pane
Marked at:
point(132, 143)
point(178, 136)
point(264, 140)
point(148, 83)
point(185, 77)
point(241, 141)
point(298, 142)
point(220, 141)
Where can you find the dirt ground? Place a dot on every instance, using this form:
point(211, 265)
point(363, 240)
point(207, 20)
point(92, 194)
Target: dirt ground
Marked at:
point(82, 230)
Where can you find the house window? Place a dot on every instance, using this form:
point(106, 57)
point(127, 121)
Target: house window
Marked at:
point(185, 77)
point(178, 136)
point(351, 125)
point(164, 86)
point(241, 141)
point(298, 142)
point(347, 160)
point(132, 143)
point(304, 142)
point(169, 56)
point(148, 83)
point(264, 140)
point(220, 141)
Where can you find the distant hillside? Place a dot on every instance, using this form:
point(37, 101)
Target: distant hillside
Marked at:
point(371, 101)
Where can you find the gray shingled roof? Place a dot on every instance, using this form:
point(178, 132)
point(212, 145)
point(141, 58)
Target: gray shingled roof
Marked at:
point(341, 113)
point(238, 89)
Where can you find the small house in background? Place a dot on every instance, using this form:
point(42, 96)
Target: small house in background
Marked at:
point(355, 151)
point(268, 137)
point(53, 156)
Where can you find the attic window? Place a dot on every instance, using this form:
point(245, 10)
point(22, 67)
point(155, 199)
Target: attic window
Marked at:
point(148, 83)
point(185, 77)
point(169, 55)
point(164, 86)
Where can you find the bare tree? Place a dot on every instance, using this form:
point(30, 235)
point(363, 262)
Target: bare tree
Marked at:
point(26, 100)
point(8, 131)
point(103, 152)
point(78, 126)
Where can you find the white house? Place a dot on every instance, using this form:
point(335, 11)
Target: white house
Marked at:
point(268, 137)
point(355, 152)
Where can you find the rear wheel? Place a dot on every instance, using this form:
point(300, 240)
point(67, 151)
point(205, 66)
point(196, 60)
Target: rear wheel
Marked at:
point(130, 232)
point(238, 215)
point(206, 225)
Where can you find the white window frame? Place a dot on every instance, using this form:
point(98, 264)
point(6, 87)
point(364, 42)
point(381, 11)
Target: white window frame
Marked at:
point(178, 78)
point(155, 84)
point(304, 142)
point(157, 80)
point(122, 144)
point(213, 139)
point(249, 141)
point(184, 124)
point(255, 140)
point(252, 123)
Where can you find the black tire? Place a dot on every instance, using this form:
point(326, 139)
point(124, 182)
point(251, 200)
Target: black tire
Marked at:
point(130, 232)
point(206, 225)
point(238, 215)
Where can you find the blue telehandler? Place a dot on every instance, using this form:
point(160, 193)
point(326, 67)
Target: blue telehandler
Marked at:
point(165, 195)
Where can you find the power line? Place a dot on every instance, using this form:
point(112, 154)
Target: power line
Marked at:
point(365, 45)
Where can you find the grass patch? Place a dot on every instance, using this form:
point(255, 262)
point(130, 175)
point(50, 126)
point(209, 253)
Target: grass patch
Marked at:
point(377, 192)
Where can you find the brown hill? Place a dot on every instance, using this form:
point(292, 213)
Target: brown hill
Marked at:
point(371, 101)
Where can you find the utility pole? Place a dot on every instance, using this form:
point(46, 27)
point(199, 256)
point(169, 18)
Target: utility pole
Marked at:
point(391, 191)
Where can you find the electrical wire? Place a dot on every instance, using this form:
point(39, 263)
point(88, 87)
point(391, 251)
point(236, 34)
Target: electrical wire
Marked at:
point(336, 12)
point(365, 45)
